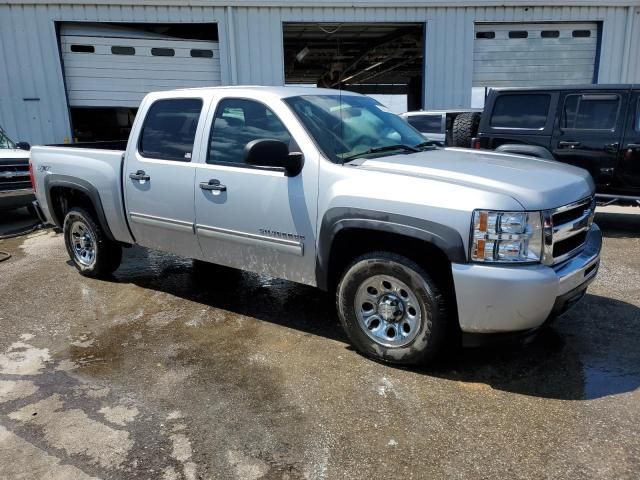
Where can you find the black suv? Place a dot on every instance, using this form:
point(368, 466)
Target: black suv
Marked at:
point(596, 127)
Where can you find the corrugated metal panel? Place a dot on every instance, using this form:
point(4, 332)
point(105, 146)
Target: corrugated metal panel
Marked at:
point(33, 101)
point(102, 79)
point(449, 40)
point(633, 55)
point(534, 54)
point(32, 69)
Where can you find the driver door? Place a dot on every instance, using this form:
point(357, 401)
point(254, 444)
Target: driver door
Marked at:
point(250, 217)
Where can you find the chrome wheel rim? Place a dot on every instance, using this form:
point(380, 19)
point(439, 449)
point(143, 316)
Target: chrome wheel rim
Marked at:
point(388, 311)
point(82, 243)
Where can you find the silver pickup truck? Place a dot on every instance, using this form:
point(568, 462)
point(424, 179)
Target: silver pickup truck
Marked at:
point(330, 189)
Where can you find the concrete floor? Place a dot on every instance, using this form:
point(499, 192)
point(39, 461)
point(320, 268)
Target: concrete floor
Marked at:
point(164, 374)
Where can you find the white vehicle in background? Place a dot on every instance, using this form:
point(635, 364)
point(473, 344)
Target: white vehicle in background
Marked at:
point(438, 125)
point(15, 186)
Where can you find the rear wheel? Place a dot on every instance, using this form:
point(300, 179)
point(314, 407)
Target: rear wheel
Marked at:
point(92, 253)
point(391, 309)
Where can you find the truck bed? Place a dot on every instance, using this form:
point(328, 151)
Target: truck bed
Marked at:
point(93, 170)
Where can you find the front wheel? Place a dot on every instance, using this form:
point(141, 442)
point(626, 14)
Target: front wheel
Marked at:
point(92, 253)
point(391, 309)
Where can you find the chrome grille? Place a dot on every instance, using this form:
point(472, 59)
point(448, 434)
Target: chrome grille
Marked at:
point(14, 174)
point(566, 228)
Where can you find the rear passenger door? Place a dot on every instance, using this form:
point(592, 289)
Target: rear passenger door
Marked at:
point(518, 118)
point(628, 175)
point(159, 175)
point(589, 131)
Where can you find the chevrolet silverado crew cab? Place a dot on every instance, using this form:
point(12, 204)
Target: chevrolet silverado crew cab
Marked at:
point(330, 189)
point(596, 127)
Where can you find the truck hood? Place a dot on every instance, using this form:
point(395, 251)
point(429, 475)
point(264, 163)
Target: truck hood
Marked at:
point(536, 184)
point(13, 153)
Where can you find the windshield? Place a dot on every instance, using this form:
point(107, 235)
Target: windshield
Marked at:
point(4, 140)
point(348, 126)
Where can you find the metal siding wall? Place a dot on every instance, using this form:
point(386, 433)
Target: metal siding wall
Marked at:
point(35, 68)
point(30, 62)
point(633, 74)
point(449, 40)
point(31, 69)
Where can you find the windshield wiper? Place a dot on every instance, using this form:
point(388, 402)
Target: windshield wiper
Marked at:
point(428, 143)
point(386, 148)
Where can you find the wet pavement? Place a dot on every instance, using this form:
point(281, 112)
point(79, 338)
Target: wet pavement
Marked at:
point(171, 372)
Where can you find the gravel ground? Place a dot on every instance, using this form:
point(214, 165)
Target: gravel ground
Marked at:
point(160, 373)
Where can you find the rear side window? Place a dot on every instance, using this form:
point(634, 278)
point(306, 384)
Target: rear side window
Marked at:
point(169, 129)
point(526, 111)
point(590, 112)
point(426, 123)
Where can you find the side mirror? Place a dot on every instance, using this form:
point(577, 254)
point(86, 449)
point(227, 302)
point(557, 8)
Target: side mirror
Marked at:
point(273, 153)
point(23, 146)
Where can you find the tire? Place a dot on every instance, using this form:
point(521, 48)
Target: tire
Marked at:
point(465, 127)
point(389, 331)
point(82, 233)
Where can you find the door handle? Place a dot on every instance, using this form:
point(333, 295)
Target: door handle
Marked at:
point(612, 147)
point(213, 184)
point(139, 175)
point(570, 144)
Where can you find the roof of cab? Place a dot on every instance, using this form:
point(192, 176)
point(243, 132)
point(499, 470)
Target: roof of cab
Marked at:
point(599, 86)
point(280, 91)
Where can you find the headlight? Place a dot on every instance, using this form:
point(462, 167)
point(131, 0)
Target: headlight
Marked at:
point(506, 237)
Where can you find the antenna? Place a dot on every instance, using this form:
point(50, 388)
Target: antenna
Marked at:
point(340, 77)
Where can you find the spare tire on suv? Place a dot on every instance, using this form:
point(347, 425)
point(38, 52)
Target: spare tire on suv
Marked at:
point(465, 127)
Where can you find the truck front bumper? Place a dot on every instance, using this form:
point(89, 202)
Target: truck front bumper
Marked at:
point(500, 299)
point(18, 198)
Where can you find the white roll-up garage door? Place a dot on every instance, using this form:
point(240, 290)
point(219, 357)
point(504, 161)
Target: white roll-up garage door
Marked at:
point(534, 54)
point(115, 67)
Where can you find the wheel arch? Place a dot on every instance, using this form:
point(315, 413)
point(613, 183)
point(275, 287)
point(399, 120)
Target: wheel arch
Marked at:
point(346, 233)
point(64, 189)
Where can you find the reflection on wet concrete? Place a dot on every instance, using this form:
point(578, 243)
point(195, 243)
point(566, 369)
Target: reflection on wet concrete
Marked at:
point(242, 293)
point(215, 373)
point(582, 356)
point(617, 222)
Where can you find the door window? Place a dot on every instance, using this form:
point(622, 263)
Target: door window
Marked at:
point(637, 123)
point(590, 112)
point(169, 129)
point(237, 122)
point(426, 123)
point(522, 111)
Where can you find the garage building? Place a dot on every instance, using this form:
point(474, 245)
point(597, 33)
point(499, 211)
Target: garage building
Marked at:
point(73, 71)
